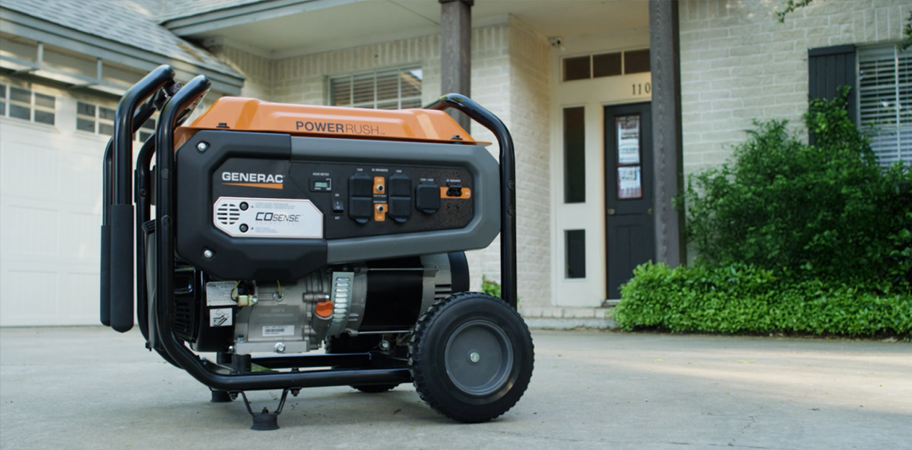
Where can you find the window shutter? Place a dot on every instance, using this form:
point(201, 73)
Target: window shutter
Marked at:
point(828, 69)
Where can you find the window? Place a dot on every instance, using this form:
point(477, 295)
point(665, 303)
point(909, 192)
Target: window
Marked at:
point(27, 105)
point(98, 119)
point(605, 65)
point(574, 155)
point(388, 89)
point(575, 242)
point(885, 101)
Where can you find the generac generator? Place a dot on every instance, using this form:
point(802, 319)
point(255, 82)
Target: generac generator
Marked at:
point(282, 229)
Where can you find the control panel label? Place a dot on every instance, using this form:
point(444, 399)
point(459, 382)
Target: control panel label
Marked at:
point(267, 218)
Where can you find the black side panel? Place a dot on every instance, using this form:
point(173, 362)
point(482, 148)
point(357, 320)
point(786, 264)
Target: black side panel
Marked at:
point(234, 258)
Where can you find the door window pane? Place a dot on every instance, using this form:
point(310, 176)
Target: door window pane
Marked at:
point(20, 112)
point(85, 109)
point(574, 155)
point(45, 101)
point(576, 253)
point(576, 68)
point(106, 129)
point(44, 117)
point(85, 125)
point(636, 61)
point(606, 65)
point(20, 95)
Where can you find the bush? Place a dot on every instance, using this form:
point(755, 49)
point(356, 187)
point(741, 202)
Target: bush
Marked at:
point(826, 210)
point(740, 298)
point(490, 287)
point(790, 237)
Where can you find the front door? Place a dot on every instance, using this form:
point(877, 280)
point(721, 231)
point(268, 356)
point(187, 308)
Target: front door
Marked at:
point(628, 192)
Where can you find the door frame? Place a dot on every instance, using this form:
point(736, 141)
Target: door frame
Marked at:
point(593, 94)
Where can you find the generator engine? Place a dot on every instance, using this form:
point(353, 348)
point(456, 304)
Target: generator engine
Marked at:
point(279, 229)
point(242, 317)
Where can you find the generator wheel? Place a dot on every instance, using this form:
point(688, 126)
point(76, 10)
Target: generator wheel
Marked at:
point(471, 357)
point(346, 343)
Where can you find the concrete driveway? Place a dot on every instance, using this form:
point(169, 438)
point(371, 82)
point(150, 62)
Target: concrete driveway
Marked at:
point(89, 388)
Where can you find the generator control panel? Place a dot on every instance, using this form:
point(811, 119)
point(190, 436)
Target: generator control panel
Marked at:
point(337, 200)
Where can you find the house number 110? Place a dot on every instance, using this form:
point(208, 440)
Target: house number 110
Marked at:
point(640, 88)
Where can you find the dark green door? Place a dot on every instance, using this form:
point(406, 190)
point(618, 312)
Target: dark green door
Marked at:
point(628, 192)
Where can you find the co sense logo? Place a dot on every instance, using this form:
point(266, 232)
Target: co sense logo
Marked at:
point(274, 217)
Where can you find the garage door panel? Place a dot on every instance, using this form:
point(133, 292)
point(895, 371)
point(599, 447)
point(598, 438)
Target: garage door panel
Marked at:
point(81, 178)
point(29, 170)
point(29, 297)
point(88, 145)
point(80, 238)
point(78, 300)
point(30, 231)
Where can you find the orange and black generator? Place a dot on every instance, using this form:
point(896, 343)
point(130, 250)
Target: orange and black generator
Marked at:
point(266, 231)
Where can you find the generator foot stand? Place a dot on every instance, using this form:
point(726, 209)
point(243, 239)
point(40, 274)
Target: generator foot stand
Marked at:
point(265, 420)
point(220, 396)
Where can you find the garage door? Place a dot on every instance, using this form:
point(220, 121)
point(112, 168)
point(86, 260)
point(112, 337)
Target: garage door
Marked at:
point(50, 211)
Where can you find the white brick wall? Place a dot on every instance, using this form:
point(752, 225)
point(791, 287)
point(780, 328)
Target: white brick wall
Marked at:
point(738, 63)
point(509, 77)
point(257, 70)
point(530, 126)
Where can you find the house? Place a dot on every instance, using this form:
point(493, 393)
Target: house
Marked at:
point(611, 105)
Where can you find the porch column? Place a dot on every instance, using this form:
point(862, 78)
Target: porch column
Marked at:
point(666, 130)
point(456, 51)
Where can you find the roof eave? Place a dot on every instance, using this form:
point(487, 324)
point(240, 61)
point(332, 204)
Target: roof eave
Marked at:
point(29, 27)
point(239, 15)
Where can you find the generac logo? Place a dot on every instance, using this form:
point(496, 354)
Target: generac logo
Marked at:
point(258, 180)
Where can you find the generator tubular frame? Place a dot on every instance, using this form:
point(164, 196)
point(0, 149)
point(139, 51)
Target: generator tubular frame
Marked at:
point(138, 104)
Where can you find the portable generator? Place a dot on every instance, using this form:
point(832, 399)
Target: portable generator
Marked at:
point(279, 229)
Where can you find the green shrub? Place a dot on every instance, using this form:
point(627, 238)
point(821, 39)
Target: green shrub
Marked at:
point(490, 287)
point(740, 298)
point(821, 211)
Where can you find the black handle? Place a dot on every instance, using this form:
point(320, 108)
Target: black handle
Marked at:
point(507, 185)
point(117, 239)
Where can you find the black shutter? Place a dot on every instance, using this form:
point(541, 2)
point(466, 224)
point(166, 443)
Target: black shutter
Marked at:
point(828, 69)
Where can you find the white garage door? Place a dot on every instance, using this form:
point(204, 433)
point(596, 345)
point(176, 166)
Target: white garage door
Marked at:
point(50, 210)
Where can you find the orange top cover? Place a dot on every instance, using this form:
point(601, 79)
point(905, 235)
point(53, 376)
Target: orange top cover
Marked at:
point(247, 114)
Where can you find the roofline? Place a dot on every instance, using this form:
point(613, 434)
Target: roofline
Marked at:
point(23, 25)
point(239, 15)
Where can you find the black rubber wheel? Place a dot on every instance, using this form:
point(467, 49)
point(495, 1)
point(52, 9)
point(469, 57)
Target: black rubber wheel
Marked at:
point(471, 357)
point(346, 343)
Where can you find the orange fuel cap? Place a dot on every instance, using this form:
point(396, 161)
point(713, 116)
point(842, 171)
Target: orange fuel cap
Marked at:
point(324, 309)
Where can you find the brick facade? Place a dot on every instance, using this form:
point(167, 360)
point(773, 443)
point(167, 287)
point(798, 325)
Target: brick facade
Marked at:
point(738, 63)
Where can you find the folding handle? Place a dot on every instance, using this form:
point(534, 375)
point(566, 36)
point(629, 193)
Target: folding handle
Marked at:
point(507, 185)
point(117, 225)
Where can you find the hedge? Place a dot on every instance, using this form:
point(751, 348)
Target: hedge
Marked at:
point(740, 298)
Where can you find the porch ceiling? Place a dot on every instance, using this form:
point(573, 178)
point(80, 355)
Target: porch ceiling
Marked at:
point(324, 25)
